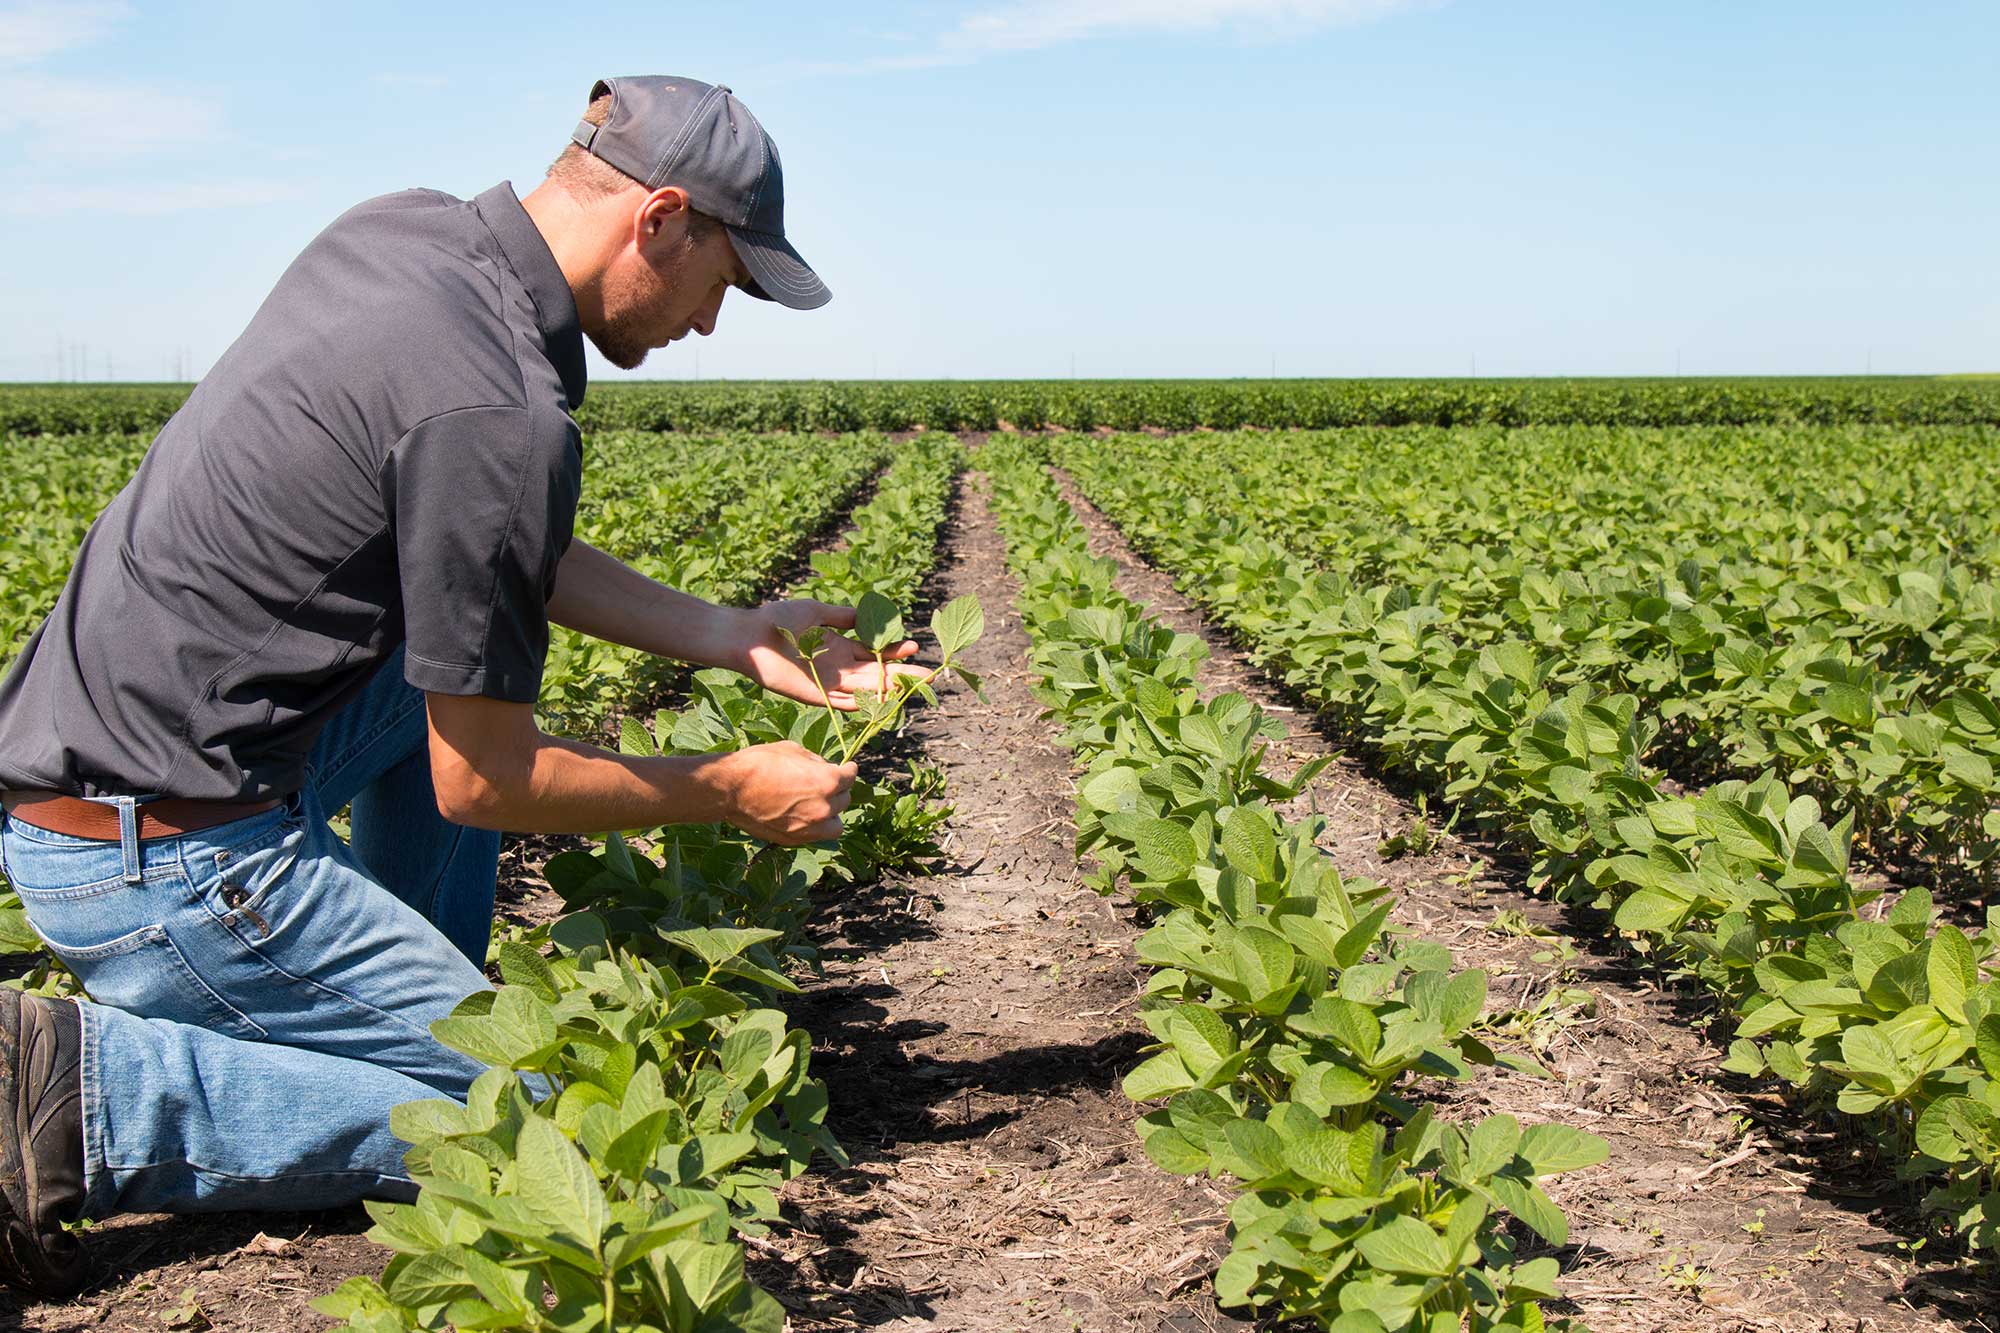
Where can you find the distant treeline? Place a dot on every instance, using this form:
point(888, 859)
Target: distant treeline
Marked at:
point(794, 405)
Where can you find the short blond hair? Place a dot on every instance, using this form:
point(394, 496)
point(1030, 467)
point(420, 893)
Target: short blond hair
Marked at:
point(586, 176)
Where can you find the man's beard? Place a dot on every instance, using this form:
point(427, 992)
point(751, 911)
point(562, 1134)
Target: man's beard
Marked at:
point(630, 300)
point(622, 341)
point(621, 347)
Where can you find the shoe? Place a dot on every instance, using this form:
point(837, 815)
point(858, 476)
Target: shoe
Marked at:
point(41, 1143)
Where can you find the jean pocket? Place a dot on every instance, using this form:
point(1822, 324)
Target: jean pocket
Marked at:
point(145, 973)
point(237, 882)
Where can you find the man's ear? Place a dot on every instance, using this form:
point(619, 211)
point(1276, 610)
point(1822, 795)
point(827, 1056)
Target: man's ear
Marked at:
point(663, 214)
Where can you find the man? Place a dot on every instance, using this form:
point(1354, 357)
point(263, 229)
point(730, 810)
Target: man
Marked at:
point(331, 581)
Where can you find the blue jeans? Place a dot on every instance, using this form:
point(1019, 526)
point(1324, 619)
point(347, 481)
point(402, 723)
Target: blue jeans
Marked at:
point(263, 994)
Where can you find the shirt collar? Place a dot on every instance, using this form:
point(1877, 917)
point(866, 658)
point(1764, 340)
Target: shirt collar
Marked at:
point(529, 256)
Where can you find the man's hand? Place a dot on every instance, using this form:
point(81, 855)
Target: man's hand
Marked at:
point(493, 768)
point(784, 793)
point(844, 666)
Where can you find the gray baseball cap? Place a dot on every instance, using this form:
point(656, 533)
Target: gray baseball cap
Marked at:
point(670, 131)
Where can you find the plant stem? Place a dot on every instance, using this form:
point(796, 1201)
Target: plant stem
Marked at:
point(885, 716)
point(839, 733)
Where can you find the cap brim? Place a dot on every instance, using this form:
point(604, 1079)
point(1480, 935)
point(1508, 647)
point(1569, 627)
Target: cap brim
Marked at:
point(777, 273)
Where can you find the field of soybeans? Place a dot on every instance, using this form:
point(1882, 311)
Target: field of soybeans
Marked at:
point(1382, 857)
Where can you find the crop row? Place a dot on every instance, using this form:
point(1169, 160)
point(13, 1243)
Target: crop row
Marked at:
point(1289, 1016)
point(1824, 604)
point(1167, 404)
point(53, 488)
point(644, 1099)
point(1888, 1019)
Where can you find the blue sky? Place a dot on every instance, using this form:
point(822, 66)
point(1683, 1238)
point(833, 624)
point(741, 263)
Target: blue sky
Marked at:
point(1115, 187)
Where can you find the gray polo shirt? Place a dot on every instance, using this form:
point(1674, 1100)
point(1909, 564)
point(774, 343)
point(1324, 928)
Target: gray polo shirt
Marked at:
point(386, 456)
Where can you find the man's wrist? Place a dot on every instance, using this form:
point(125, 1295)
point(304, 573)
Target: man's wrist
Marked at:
point(702, 634)
point(715, 779)
point(739, 631)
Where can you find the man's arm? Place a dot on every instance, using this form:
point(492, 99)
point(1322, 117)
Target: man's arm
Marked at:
point(602, 596)
point(492, 767)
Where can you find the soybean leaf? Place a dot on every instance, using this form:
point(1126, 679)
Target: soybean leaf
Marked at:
point(958, 624)
point(1746, 834)
point(1201, 1037)
point(1405, 1245)
point(1250, 1150)
point(1166, 849)
point(1249, 843)
point(1161, 1076)
point(1525, 1200)
point(518, 1033)
point(1987, 1043)
point(1551, 1148)
point(877, 622)
point(557, 1183)
point(522, 966)
point(1172, 1152)
point(716, 945)
point(1492, 1143)
point(634, 739)
point(1951, 972)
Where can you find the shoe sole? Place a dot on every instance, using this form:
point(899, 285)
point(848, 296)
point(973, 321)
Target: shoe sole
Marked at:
point(24, 1258)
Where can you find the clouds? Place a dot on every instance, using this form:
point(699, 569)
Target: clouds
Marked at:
point(73, 130)
point(30, 33)
point(63, 117)
point(1033, 25)
point(102, 120)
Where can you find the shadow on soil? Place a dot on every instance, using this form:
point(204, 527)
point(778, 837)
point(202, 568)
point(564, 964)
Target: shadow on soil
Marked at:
point(120, 1253)
point(886, 1101)
point(937, 1101)
point(832, 1284)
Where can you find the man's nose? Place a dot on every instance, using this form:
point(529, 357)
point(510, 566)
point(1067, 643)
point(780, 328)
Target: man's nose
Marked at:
point(704, 318)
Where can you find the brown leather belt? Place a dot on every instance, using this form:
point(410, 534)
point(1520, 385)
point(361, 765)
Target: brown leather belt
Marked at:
point(79, 818)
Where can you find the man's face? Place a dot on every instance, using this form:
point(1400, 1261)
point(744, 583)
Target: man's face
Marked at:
point(665, 285)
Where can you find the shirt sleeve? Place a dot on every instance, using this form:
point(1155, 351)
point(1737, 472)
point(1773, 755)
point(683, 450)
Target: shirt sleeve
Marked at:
point(482, 503)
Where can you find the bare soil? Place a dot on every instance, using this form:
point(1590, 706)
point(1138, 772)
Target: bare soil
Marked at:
point(972, 1030)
